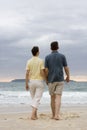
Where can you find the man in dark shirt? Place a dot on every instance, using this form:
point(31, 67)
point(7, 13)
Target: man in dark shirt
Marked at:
point(54, 64)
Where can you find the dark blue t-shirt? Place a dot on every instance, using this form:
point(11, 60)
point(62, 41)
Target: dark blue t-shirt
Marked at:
point(55, 63)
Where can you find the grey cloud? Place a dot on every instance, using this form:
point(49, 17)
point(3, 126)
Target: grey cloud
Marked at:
point(39, 22)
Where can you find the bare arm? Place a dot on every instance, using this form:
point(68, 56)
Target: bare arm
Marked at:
point(67, 74)
point(46, 74)
point(27, 79)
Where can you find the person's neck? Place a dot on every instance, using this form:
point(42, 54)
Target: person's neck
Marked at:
point(35, 56)
point(54, 50)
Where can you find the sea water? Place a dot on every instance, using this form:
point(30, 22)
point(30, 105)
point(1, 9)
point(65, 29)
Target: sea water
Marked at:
point(74, 93)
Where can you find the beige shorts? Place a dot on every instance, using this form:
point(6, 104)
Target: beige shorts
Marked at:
point(55, 88)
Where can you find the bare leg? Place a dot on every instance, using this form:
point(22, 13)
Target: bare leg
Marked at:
point(57, 106)
point(34, 113)
point(53, 105)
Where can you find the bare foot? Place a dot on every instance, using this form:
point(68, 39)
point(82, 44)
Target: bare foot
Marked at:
point(57, 118)
point(34, 118)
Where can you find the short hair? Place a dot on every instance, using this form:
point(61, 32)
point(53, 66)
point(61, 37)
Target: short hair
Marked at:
point(34, 50)
point(54, 45)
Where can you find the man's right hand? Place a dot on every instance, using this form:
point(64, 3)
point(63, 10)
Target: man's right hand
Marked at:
point(67, 79)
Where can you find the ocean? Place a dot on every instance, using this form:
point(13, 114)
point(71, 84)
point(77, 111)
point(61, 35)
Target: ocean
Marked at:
point(74, 93)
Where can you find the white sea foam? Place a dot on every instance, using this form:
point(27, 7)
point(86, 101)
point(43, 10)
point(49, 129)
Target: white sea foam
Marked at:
point(74, 98)
point(23, 97)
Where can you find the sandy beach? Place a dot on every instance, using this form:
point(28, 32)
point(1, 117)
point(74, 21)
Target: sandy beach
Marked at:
point(17, 117)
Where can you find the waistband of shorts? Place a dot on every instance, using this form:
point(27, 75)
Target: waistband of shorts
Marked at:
point(56, 82)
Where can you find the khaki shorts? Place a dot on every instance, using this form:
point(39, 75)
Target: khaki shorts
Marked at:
point(55, 88)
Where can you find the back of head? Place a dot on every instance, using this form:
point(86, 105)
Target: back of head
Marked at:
point(54, 45)
point(35, 50)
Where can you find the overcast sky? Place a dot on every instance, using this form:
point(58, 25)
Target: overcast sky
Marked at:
point(25, 23)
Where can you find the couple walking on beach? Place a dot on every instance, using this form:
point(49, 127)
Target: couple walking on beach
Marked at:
point(52, 72)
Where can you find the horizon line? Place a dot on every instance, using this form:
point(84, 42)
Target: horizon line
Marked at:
point(74, 78)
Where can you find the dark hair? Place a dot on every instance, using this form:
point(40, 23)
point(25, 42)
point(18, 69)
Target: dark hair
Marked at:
point(34, 50)
point(54, 45)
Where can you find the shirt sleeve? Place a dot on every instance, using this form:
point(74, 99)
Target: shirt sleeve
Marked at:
point(42, 65)
point(27, 66)
point(64, 61)
point(46, 63)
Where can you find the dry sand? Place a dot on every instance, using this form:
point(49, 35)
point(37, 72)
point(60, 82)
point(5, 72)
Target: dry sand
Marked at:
point(18, 118)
